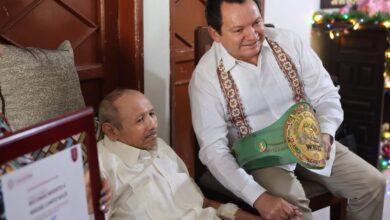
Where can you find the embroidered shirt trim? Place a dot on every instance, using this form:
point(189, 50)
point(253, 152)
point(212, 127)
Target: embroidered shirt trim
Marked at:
point(230, 90)
point(234, 105)
point(289, 69)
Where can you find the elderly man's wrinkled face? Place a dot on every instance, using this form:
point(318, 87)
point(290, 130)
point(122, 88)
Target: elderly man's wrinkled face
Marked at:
point(138, 119)
point(242, 31)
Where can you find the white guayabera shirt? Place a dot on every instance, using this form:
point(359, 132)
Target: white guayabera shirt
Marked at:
point(266, 95)
point(150, 184)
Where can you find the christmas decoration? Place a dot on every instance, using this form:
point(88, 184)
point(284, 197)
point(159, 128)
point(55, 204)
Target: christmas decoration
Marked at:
point(353, 17)
point(364, 13)
point(384, 158)
point(387, 68)
point(386, 150)
point(384, 164)
point(342, 23)
point(372, 7)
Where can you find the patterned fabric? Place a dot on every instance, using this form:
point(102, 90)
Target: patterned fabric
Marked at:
point(38, 84)
point(290, 71)
point(4, 126)
point(46, 152)
point(230, 91)
point(235, 108)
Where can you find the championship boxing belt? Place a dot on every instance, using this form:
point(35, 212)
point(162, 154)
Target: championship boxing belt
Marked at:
point(293, 138)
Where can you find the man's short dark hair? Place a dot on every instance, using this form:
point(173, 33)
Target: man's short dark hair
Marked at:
point(213, 12)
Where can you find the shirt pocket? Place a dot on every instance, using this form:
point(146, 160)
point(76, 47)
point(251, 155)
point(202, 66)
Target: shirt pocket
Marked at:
point(184, 191)
point(186, 194)
point(149, 200)
point(136, 202)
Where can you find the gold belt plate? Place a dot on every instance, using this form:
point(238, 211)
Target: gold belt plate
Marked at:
point(303, 137)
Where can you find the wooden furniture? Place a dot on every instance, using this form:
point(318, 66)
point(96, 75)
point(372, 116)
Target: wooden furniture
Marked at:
point(51, 133)
point(106, 36)
point(318, 195)
point(356, 62)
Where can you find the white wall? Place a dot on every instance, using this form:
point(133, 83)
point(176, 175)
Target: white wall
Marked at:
point(156, 60)
point(292, 14)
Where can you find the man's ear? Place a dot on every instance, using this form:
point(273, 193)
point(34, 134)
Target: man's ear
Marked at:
point(214, 34)
point(110, 131)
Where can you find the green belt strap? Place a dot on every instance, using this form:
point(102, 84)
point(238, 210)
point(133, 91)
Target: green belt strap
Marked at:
point(267, 147)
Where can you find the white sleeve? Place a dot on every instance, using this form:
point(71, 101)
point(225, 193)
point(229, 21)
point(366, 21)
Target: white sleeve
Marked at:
point(211, 130)
point(319, 88)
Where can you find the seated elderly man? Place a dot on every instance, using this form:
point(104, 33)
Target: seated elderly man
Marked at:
point(147, 178)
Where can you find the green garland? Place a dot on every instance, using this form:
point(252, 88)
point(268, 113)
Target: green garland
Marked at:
point(357, 16)
point(337, 24)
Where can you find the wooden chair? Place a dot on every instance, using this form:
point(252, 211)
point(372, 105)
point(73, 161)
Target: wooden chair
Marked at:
point(319, 196)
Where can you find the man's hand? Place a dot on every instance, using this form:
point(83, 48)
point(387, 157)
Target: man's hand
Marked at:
point(105, 194)
point(276, 208)
point(240, 214)
point(243, 215)
point(327, 141)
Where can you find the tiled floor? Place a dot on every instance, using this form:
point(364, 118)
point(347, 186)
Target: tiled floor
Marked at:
point(323, 214)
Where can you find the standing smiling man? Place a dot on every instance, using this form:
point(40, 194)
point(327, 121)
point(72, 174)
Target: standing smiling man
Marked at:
point(253, 78)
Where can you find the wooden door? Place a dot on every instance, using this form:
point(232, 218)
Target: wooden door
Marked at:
point(106, 36)
point(186, 15)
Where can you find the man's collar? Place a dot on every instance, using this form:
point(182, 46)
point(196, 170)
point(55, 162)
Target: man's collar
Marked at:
point(228, 60)
point(128, 154)
point(265, 44)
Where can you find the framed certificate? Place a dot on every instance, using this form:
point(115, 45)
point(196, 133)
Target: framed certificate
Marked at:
point(42, 170)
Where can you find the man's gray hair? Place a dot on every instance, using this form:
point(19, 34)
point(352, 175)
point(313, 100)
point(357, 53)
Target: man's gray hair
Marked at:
point(108, 113)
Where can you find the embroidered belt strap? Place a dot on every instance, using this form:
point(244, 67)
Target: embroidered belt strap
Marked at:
point(230, 91)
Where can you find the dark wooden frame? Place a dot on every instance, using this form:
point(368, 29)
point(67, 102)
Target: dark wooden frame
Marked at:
point(172, 97)
point(131, 44)
point(125, 24)
point(46, 133)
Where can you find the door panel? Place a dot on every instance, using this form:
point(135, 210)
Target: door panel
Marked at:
point(93, 27)
point(186, 15)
